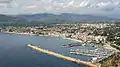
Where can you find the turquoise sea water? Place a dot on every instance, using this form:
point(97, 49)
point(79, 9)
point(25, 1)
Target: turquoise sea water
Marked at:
point(15, 53)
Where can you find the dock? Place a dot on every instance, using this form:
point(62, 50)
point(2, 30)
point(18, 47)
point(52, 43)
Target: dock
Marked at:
point(61, 56)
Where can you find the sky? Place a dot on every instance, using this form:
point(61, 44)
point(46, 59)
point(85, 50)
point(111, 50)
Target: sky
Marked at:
point(93, 7)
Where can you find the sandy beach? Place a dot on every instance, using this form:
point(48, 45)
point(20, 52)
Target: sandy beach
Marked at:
point(73, 40)
point(43, 35)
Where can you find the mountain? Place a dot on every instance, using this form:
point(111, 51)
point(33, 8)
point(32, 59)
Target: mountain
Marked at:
point(64, 17)
point(52, 18)
point(10, 19)
point(5, 18)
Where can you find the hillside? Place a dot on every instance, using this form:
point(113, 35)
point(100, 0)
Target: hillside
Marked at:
point(113, 61)
point(52, 18)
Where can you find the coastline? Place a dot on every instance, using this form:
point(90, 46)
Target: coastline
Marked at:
point(73, 40)
point(30, 34)
point(46, 35)
point(43, 35)
point(21, 41)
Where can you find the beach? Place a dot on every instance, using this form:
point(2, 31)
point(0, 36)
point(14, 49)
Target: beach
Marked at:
point(43, 35)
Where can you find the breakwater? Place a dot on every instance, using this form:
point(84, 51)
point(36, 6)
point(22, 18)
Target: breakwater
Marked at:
point(61, 56)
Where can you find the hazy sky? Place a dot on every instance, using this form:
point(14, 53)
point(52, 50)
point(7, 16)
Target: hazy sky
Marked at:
point(97, 7)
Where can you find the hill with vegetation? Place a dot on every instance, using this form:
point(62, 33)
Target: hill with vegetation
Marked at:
point(52, 18)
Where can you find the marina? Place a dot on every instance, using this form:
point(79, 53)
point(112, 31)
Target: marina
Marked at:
point(61, 56)
point(97, 54)
point(15, 53)
point(55, 47)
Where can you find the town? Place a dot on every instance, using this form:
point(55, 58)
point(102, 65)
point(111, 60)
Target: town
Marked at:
point(84, 32)
point(104, 34)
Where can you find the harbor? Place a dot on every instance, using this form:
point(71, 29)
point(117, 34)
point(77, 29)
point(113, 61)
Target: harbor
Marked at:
point(16, 52)
point(61, 56)
point(97, 54)
point(65, 51)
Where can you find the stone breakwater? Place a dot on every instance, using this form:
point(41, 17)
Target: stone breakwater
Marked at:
point(61, 56)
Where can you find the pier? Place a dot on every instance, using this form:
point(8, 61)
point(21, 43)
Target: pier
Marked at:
point(61, 56)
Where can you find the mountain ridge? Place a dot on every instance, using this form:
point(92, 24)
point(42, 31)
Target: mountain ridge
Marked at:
point(53, 18)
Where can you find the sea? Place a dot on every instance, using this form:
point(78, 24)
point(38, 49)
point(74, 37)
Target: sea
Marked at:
point(15, 53)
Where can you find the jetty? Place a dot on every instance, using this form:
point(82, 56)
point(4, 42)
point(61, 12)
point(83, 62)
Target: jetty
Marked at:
point(89, 64)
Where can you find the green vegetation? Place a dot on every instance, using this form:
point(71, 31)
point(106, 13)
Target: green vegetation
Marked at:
point(117, 42)
point(26, 24)
point(112, 61)
point(112, 33)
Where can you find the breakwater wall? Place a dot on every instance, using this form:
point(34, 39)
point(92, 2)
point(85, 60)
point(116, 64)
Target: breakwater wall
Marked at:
point(61, 56)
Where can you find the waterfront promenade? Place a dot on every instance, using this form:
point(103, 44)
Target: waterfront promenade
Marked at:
point(61, 56)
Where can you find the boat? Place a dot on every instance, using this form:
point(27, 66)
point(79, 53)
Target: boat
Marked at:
point(71, 45)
